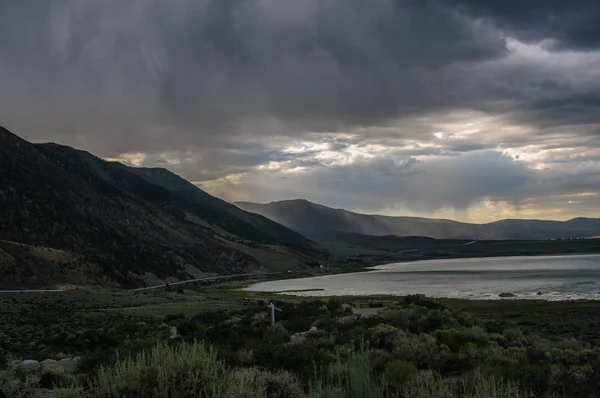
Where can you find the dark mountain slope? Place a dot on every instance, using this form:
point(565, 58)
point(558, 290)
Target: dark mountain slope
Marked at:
point(314, 220)
point(58, 197)
point(319, 222)
point(219, 213)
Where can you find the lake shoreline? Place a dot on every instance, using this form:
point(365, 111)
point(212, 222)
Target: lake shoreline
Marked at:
point(542, 277)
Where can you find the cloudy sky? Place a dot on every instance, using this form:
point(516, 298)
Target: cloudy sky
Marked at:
point(469, 109)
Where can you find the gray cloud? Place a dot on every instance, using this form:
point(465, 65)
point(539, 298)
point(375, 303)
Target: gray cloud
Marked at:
point(570, 24)
point(445, 182)
point(412, 102)
point(138, 71)
point(427, 187)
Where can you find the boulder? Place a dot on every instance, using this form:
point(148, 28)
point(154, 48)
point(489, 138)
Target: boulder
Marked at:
point(30, 363)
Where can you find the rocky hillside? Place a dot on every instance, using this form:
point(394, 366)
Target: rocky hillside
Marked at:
point(128, 222)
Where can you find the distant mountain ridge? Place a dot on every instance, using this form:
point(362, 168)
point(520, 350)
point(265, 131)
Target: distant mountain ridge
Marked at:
point(121, 223)
point(319, 222)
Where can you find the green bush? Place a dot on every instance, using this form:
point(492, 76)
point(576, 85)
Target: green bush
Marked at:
point(277, 334)
point(399, 372)
point(186, 370)
point(334, 305)
point(19, 383)
point(69, 392)
point(428, 384)
point(355, 378)
point(256, 383)
point(383, 336)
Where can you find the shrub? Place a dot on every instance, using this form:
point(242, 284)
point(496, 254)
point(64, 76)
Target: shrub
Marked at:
point(255, 383)
point(354, 378)
point(423, 350)
point(299, 358)
point(244, 356)
point(476, 334)
point(277, 334)
point(423, 301)
point(429, 384)
point(361, 382)
point(187, 370)
point(514, 337)
point(334, 305)
point(69, 392)
point(398, 317)
point(398, 372)
point(383, 335)
point(19, 383)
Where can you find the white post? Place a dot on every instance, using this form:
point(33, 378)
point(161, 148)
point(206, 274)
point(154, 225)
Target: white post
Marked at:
point(272, 313)
point(273, 308)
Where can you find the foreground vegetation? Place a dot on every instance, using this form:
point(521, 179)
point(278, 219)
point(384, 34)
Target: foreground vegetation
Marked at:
point(352, 347)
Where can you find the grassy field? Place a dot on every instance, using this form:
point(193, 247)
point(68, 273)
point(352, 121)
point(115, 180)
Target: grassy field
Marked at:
point(423, 347)
point(30, 317)
point(553, 319)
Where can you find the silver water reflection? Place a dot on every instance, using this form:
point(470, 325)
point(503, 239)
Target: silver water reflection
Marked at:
point(556, 277)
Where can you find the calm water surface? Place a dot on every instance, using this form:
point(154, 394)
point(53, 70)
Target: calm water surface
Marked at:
point(557, 277)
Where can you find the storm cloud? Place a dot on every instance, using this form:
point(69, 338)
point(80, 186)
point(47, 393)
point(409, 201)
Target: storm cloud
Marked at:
point(432, 105)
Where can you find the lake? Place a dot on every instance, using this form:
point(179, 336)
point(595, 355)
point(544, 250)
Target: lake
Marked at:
point(556, 277)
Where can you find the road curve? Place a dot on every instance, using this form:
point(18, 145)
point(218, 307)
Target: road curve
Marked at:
point(204, 279)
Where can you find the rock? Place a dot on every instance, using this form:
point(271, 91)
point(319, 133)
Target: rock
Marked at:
point(30, 363)
point(506, 295)
point(539, 293)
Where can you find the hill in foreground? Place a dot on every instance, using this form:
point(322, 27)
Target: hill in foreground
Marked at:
point(125, 224)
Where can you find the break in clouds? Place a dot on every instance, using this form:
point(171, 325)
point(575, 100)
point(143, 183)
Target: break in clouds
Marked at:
point(469, 109)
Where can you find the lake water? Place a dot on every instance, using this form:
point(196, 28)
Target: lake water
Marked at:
point(557, 277)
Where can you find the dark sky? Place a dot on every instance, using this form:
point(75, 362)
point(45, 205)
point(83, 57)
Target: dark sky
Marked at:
point(468, 109)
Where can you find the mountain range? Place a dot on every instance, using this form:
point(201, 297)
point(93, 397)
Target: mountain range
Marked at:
point(68, 216)
point(325, 224)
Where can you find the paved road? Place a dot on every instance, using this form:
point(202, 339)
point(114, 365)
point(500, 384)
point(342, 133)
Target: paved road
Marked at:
point(206, 279)
point(31, 291)
point(150, 287)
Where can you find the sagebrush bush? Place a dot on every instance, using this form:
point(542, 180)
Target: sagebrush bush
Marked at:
point(18, 384)
point(399, 372)
point(256, 383)
point(21, 381)
point(164, 371)
point(244, 356)
point(418, 348)
point(355, 379)
point(277, 334)
point(428, 384)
